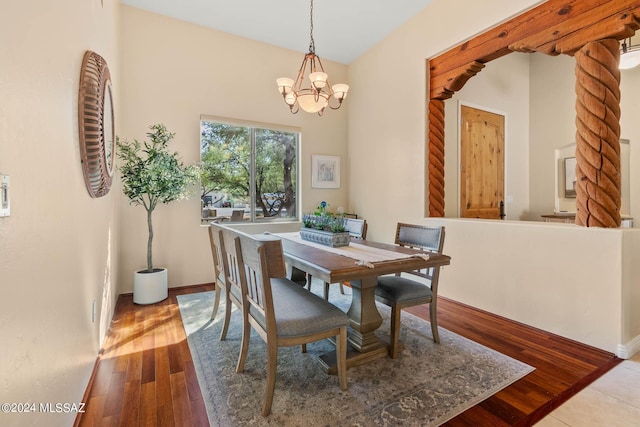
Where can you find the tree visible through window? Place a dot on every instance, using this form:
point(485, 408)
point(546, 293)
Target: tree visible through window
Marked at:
point(249, 169)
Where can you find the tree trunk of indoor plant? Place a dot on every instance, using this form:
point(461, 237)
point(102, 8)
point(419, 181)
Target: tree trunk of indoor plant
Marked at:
point(150, 241)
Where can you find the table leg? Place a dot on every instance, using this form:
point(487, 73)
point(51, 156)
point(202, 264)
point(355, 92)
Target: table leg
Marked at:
point(364, 317)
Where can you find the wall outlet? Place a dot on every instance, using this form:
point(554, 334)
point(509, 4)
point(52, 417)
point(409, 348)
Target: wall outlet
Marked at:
point(5, 202)
point(93, 311)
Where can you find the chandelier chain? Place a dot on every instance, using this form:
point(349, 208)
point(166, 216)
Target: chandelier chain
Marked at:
point(311, 90)
point(312, 44)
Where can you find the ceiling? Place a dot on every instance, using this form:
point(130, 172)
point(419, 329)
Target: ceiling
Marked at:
point(343, 29)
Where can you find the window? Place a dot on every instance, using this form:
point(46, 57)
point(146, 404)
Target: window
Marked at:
point(249, 171)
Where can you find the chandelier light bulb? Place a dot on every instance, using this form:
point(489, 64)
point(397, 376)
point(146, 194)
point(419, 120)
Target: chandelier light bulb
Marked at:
point(318, 79)
point(629, 60)
point(313, 102)
point(284, 85)
point(340, 91)
point(290, 98)
point(629, 55)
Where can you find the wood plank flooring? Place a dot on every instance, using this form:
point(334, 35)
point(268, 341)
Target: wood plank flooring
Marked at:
point(145, 375)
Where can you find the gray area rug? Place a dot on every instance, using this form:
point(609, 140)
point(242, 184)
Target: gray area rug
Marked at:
point(426, 386)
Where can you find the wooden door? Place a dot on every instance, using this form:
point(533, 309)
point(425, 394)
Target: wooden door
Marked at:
point(481, 163)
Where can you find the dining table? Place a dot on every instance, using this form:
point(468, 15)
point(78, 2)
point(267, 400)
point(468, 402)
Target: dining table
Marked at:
point(360, 263)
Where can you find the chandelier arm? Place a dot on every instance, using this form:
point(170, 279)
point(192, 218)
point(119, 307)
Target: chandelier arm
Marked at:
point(336, 107)
point(300, 77)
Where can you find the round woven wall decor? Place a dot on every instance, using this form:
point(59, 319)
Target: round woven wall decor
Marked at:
point(96, 124)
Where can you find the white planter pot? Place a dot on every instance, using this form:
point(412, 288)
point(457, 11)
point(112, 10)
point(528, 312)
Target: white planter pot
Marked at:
point(149, 288)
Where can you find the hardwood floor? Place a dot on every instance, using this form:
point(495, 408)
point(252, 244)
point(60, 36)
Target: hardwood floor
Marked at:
point(145, 375)
point(563, 367)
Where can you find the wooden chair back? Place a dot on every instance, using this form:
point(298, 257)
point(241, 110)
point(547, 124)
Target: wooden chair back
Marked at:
point(230, 261)
point(425, 238)
point(216, 253)
point(237, 215)
point(356, 227)
point(254, 253)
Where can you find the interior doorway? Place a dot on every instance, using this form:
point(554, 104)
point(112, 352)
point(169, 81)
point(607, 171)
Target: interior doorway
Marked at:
point(481, 163)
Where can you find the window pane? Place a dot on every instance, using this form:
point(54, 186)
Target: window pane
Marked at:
point(275, 174)
point(227, 181)
point(226, 166)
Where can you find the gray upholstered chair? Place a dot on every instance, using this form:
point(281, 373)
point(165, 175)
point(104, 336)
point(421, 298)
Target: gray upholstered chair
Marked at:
point(237, 215)
point(357, 228)
point(401, 292)
point(220, 269)
point(281, 311)
point(227, 278)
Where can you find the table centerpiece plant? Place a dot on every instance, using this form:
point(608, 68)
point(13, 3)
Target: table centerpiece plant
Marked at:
point(324, 228)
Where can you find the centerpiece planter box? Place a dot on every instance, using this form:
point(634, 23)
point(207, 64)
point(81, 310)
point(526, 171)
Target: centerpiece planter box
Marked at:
point(327, 238)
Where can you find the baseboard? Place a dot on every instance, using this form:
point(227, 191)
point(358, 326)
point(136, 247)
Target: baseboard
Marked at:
point(173, 288)
point(627, 351)
point(85, 396)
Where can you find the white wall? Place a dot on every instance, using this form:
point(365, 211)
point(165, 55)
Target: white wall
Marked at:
point(173, 72)
point(57, 249)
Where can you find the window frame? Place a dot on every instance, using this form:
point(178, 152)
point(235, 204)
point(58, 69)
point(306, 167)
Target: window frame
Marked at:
point(253, 126)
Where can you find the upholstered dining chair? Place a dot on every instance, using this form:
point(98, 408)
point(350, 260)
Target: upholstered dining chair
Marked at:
point(357, 228)
point(237, 215)
point(218, 268)
point(281, 311)
point(400, 292)
point(227, 278)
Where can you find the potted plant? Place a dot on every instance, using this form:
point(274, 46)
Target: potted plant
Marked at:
point(324, 228)
point(151, 174)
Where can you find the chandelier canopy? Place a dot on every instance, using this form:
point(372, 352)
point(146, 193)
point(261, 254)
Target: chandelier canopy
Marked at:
point(311, 90)
point(629, 54)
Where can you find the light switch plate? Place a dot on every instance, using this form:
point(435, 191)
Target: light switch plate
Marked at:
point(5, 202)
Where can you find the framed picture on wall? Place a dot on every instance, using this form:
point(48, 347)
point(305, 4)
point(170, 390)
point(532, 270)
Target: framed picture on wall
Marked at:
point(325, 171)
point(570, 177)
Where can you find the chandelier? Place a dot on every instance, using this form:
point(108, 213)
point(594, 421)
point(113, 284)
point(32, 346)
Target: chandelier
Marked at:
point(318, 93)
point(629, 55)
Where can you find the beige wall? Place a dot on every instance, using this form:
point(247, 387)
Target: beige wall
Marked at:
point(501, 87)
point(552, 126)
point(57, 249)
point(577, 282)
point(528, 262)
point(173, 72)
point(387, 125)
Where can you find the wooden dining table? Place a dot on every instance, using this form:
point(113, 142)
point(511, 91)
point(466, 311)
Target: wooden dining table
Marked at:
point(331, 267)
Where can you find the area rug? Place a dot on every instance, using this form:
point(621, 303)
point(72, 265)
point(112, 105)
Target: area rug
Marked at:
point(426, 386)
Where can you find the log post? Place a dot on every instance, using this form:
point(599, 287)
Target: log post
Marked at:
point(598, 134)
point(436, 158)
